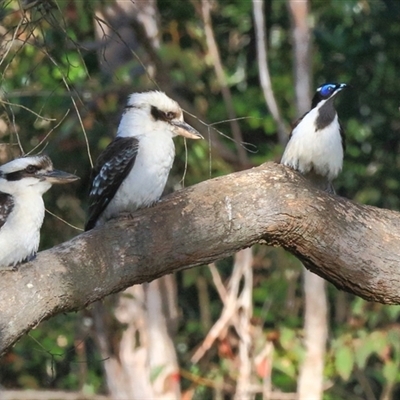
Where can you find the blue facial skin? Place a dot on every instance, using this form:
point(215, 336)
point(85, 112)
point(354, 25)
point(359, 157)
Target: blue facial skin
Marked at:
point(327, 90)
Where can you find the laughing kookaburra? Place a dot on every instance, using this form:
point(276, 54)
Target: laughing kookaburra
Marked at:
point(316, 144)
point(132, 171)
point(22, 184)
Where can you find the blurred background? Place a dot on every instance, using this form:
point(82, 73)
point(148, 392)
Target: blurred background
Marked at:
point(234, 329)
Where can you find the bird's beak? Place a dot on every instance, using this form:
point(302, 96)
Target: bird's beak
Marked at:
point(343, 86)
point(60, 177)
point(181, 128)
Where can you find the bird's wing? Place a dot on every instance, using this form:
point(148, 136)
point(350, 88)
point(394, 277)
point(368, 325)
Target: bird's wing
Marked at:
point(295, 123)
point(111, 168)
point(342, 134)
point(6, 206)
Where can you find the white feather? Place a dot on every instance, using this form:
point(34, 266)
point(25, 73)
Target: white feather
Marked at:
point(20, 235)
point(145, 183)
point(309, 149)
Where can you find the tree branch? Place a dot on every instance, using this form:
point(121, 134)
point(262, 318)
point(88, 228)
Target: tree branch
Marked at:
point(263, 70)
point(354, 246)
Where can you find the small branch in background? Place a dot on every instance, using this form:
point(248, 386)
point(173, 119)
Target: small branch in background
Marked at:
point(221, 289)
point(204, 303)
point(311, 377)
point(48, 395)
point(64, 221)
point(212, 46)
point(263, 70)
point(298, 11)
point(48, 134)
point(245, 260)
point(229, 314)
point(237, 313)
point(27, 109)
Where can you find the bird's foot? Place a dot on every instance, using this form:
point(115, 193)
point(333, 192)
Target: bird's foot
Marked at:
point(125, 215)
point(29, 258)
point(15, 267)
point(9, 268)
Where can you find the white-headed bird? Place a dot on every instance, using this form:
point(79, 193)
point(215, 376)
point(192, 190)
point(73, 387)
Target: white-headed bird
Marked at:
point(23, 182)
point(132, 171)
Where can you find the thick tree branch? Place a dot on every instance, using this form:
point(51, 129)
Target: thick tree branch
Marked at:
point(354, 246)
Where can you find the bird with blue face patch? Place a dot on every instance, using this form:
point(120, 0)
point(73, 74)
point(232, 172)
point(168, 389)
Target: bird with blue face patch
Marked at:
point(316, 144)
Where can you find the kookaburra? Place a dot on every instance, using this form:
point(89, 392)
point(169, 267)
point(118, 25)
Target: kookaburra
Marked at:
point(22, 184)
point(317, 143)
point(132, 171)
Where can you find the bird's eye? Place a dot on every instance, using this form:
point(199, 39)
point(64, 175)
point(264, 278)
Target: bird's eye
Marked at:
point(31, 169)
point(327, 90)
point(170, 115)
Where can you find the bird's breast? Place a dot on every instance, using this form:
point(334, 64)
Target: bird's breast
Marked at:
point(312, 149)
point(20, 235)
point(146, 181)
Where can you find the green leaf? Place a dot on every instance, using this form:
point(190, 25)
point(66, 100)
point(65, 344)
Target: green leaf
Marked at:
point(390, 371)
point(344, 362)
point(372, 344)
point(362, 354)
point(393, 312)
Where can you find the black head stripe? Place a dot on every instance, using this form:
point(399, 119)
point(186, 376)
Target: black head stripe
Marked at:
point(15, 176)
point(41, 162)
point(30, 170)
point(159, 115)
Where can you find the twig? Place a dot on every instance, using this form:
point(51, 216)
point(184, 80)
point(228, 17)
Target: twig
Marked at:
point(27, 109)
point(11, 41)
point(219, 71)
point(218, 282)
point(48, 395)
point(232, 304)
point(263, 70)
point(76, 109)
point(65, 222)
point(49, 133)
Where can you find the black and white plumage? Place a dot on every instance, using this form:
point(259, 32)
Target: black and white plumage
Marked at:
point(132, 171)
point(23, 181)
point(316, 145)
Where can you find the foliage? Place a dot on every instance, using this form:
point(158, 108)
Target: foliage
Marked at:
point(51, 68)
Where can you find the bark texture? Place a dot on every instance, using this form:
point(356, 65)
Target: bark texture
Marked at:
point(354, 246)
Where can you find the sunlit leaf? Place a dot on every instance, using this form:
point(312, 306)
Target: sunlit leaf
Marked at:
point(344, 361)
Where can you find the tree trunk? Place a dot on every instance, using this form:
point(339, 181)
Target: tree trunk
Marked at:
point(311, 377)
point(145, 364)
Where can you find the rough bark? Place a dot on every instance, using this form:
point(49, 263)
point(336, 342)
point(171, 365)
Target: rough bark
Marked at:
point(354, 246)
